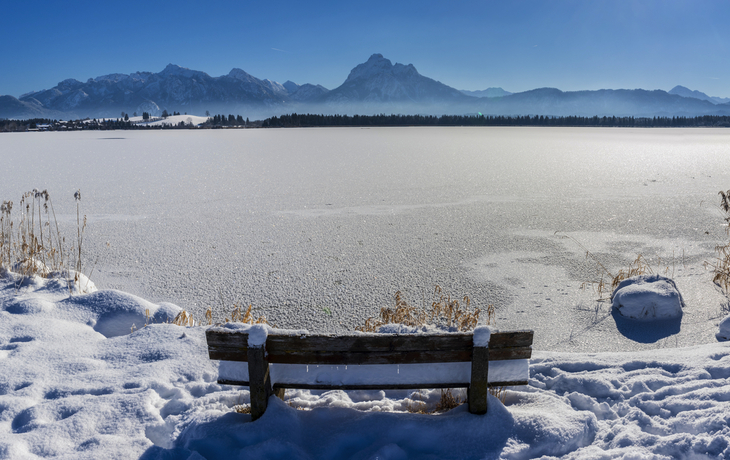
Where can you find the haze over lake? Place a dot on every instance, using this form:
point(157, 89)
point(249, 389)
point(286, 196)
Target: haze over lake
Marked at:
point(318, 228)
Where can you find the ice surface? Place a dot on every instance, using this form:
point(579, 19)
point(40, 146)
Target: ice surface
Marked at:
point(647, 298)
point(318, 229)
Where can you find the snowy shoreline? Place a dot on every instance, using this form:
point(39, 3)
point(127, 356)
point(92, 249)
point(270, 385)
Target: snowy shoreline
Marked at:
point(68, 390)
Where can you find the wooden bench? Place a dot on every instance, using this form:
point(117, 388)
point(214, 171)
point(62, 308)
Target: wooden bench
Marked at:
point(391, 361)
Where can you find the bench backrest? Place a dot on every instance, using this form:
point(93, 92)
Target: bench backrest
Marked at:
point(373, 349)
point(370, 348)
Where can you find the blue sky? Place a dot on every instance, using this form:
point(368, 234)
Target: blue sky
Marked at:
point(516, 45)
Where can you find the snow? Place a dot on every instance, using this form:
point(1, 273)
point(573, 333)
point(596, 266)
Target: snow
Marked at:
point(723, 332)
point(648, 297)
point(257, 335)
point(482, 335)
point(75, 383)
point(174, 120)
point(378, 374)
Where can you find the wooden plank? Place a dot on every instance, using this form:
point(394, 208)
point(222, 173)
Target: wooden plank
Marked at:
point(511, 339)
point(410, 386)
point(478, 388)
point(414, 386)
point(227, 354)
point(243, 383)
point(387, 342)
point(394, 357)
point(504, 354)
point(513, 383)
point(390, 342)
point(390, 357)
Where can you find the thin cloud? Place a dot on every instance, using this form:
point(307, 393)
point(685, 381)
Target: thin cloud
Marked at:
point(277, 49)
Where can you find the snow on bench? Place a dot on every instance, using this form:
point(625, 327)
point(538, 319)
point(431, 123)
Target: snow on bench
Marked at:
point(279, 359)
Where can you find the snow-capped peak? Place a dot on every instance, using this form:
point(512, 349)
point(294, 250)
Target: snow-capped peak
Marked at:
point(173, 69)
point(378, 65)
point(290, 86)
point(239, 74)
point(275, 86)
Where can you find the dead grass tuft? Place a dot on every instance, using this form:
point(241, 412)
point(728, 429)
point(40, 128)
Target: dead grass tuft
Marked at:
point(721, 266)
point(444, 310)
point(499, 393)
point(242, 408)
point(237, 316)
point(416, 404)
point(640, 266)
point(184, 319)
point(247, 318)
point(32, 244)
point(448, 401)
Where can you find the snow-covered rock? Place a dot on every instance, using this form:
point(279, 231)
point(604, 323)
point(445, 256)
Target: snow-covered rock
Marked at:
point(648, 297)
point(723, 332)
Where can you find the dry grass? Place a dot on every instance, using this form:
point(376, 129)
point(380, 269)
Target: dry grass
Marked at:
point(721, 267)
point(30, 241)
point(499, 393)
point(444, 310)
point(237, 316)
point(242, 408)
point(448, 401)
point(416, 404)
point(640, 266)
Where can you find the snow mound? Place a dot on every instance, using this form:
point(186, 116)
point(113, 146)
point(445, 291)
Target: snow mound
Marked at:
point(533, 425)
point(648, 297)
point(29, 276)
point(723, 332)
point(114, 313)
point(71, 295)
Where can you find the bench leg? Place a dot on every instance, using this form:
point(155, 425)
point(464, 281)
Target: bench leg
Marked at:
point(478, 388)
point(279, 393)
point(259, 381)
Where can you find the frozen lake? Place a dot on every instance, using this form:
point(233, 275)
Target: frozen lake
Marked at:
point(318, 228)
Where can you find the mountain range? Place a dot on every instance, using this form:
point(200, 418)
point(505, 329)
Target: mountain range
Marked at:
point(375, 86)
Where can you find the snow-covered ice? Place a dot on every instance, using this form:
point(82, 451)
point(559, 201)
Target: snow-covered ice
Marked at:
point(319, 228)
point(67, 390)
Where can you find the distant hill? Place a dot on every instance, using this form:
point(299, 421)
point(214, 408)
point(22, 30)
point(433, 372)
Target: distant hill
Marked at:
point(605, 102)
point(11, 107)
point(686, 92)
point(489, 92)
point(373, 87)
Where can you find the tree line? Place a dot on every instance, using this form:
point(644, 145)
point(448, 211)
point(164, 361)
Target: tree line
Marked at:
point(314, 120)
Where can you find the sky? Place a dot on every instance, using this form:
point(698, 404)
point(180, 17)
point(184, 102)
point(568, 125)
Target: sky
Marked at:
point(517, 45)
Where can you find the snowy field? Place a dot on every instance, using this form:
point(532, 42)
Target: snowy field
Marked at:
point(317, 229)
